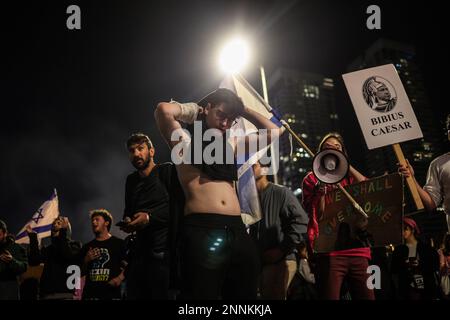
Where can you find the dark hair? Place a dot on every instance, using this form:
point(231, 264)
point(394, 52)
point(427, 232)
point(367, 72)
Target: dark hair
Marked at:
point(412, 224)
point(223, 96)
point(447, 122)
point(336, 136)
point(69, 227)
point(138, 138)
point(103, 213)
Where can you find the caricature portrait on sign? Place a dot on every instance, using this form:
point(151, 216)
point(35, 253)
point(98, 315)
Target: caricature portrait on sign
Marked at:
point(382, 106)
point(379, 94)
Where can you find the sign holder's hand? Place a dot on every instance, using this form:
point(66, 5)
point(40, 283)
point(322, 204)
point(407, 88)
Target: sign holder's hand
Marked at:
point(405, 167)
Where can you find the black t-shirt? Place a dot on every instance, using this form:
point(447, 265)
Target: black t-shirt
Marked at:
point(100, 271)
point(149, 194)
point(215, 171)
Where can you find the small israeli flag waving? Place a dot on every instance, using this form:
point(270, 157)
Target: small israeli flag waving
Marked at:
point(42, 220)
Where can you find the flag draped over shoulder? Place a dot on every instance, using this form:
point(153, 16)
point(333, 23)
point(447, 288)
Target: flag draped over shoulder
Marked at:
point(247, 192)
point(42, 220)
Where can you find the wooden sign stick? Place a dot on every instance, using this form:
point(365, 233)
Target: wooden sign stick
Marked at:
point(410, 181)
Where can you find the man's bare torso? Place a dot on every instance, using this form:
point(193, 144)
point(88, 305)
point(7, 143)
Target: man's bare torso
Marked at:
point(204, 195)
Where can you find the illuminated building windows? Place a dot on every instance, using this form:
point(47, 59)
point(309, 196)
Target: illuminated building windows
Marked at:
point(311, 91)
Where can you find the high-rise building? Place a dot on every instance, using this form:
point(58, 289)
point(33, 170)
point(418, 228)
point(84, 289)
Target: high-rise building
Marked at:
point(307, 103)
point(420, 152)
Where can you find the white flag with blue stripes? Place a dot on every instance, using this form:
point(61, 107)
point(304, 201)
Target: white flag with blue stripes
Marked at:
point(42, 220)
point(247, 192)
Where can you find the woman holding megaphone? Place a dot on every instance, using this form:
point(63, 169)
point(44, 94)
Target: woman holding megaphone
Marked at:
point(351, 258)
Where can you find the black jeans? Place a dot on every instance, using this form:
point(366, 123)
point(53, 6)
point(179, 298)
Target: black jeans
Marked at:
point(219, 260)
point(147, 275)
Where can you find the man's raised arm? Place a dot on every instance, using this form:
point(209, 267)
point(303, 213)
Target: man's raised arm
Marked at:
point(261, 122)
point(258, 120)
point(168, 116)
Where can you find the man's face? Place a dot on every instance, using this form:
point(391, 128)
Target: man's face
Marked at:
point(99, 224)
point(2, 236)
point(219, 117)
point(140, 155)
point(383, 93)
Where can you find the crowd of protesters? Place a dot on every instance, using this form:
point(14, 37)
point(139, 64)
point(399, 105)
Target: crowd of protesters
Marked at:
point(186, 238)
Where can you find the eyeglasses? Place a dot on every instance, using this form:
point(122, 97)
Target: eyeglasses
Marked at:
point(221, 116)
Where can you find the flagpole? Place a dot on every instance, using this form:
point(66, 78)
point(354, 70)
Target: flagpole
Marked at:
point(266, 99)
point(264, 84)
point(300, 141)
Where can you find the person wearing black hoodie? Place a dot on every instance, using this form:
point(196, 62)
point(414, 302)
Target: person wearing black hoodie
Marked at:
point(61, 253)
point(13, 262)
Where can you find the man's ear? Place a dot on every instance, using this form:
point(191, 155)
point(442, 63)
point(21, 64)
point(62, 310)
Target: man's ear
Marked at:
point(207, 108)
point(152, 152)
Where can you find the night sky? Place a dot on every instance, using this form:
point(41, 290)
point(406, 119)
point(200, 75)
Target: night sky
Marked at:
point(70, 98)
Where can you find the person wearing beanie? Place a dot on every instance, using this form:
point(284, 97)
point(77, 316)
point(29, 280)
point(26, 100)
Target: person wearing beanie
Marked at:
point(414, 265)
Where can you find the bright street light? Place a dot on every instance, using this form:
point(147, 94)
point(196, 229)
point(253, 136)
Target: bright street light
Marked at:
point(234, 56)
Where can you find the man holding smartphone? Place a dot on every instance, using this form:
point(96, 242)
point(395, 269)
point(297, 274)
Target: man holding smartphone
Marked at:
point(146, 215)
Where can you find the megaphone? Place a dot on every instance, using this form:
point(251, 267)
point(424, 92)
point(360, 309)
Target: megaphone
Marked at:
point(330, 166)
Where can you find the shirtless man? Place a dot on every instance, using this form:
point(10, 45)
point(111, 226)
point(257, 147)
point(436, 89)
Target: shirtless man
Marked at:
point(218, 258)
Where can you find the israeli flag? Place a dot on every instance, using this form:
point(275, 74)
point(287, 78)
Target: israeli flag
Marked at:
point(247, 192)
point(42, 220)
